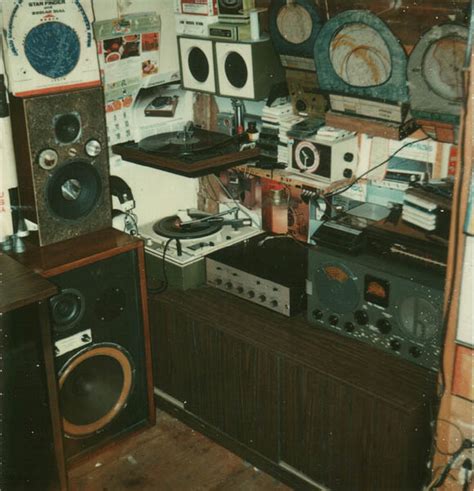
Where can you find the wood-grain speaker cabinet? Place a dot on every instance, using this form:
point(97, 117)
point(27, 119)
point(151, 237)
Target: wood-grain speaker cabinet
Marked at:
point(196, 57)
point(247, 70)
point(102, 350)
point(62, 163)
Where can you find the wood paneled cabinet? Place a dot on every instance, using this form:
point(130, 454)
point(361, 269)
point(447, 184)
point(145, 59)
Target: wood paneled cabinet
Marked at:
point(226, 382)
point(306, 405)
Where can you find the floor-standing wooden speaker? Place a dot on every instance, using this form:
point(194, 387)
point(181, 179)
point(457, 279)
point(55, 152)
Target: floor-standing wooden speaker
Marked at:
point(100, 334)
point(62, 163)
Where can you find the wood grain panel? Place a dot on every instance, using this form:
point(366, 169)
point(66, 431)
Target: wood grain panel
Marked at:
point(345, 439)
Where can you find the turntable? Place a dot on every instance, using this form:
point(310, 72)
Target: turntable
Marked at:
point(180, 242)
point(192, 152)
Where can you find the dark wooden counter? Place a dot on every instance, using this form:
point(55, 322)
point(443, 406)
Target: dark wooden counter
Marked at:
point(19, 286)
point(304, 404)
point(63, 256)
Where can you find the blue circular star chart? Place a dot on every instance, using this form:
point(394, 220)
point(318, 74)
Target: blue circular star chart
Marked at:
point(53, 49)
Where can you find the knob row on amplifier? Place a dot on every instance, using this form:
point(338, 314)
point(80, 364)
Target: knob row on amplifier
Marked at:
point(248, 286)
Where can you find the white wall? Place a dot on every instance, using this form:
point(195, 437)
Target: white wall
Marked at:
point(466, 309)
point(156, 193)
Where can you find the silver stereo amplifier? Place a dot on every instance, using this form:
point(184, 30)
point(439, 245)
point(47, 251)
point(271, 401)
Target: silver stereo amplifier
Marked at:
point(266, 270)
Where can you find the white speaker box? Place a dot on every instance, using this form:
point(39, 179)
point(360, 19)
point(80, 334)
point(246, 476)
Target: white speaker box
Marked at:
point(196, 58)
point(247, 70)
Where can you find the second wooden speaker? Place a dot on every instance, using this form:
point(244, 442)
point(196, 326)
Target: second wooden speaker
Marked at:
point(62, 162)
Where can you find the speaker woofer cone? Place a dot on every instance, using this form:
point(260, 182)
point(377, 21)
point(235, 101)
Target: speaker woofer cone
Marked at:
point(74, 190)
point(94, 387)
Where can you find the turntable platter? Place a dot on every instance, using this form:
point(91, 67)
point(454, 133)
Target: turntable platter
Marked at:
point(179, 144)
point(171, 227)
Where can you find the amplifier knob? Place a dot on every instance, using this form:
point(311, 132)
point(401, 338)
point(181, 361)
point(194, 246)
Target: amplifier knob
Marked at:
point(395, 345)
point(361, 317)
point(218, 281)
point(333, 320)
point(251, 294)
point(240, 289)
point(262, 298)
point(274, 303)
point(317, 314)
point(228, 285)
point(384, 326)
point(415, 351)
point(349, 327)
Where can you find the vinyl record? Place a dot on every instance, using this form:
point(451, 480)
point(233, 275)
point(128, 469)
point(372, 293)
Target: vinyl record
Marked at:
point(180, 144)
point(171, 227)
point(294, 27)
point(357, 54)
point(435, 73)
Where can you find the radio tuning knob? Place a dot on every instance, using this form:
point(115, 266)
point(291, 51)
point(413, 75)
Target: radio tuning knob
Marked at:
point(317, 314)
point(251, 294)
point(228, 285)
point(240, 289)
point(395, 345)
point(333, 320)
point(262, 298)
point(349, 327)
point(415, 351)
point(361, 317)
point(218, 281)
point(274, 303)
point(384, 326)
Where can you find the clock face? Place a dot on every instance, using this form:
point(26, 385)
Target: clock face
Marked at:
point(442, 67)
point(360, 56)
point(307, 156)
point(294, 23)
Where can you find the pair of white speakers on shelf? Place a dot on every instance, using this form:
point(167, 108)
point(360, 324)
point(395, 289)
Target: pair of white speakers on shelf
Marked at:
point(244, 70)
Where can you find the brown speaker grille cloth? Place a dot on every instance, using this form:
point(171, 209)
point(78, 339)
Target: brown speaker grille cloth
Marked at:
point(94, 387)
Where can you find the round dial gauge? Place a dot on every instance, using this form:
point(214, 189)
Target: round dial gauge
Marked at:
point(419, 318)
point(307, 156)
point(336, 288)
point(360, 56)
point(48, 158)
point(294, 23)
point(442, 67)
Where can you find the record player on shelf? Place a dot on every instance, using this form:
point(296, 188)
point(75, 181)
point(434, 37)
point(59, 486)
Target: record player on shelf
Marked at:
point(177, 245)
point(192, 152)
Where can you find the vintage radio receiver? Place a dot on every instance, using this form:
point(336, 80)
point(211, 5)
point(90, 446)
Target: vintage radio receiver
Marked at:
point(326, 160)
point(49, 47)
point(357, 56)
point(306, 98)
point(228, 31)
point(294, 27)
point(266, 270)
point(435, 76)
point(392, 306)
point(193, 25)
point(196, 7)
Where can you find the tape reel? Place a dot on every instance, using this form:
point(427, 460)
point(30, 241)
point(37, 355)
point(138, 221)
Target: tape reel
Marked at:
point(435, 76)
point(357, 54)
point(294, 28)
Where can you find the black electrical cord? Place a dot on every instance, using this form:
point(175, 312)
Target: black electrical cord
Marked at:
point(164, 283)
point(466, 444)
point(357, 179)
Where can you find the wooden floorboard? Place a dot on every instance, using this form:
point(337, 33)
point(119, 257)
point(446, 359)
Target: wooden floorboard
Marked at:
point(170, 456)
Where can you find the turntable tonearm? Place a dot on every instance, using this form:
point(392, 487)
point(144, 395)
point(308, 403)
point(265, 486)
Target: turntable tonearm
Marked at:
point(191, 152)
